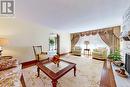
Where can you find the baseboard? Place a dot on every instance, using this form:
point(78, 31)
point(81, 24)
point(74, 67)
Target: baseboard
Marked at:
point(99, 59)
point(33, 62)
point(28, 63)
point(62, 54)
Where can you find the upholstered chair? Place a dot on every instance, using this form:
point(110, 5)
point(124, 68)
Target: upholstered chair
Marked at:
point(76, 50)
point(99, 53)
point(39, 54)
point(10, 73)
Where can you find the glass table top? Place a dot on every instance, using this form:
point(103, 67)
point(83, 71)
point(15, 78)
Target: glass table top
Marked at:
point(53, 67)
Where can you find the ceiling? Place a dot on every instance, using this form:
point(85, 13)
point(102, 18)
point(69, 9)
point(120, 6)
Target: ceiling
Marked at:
point(72, 15)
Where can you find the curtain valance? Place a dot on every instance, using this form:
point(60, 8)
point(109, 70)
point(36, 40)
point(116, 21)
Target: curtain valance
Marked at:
point(109, 35)
point(92, 32)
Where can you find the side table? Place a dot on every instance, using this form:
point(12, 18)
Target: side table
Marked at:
point(87, 50)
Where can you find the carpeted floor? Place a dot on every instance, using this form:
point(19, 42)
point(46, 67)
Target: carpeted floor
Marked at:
point(88, 74)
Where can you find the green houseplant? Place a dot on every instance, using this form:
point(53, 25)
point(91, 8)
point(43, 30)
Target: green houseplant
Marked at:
point(115, 56)
point(110, 55)
point(51, 41)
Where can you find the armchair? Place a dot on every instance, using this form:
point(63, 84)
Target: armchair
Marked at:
point(39, 54)
point(76, 50)
point(99, 53)
point(11, 73)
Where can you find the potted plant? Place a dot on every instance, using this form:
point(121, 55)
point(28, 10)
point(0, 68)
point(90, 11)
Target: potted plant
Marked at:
point(110, 56)
point(115, 56)
point(51, 41)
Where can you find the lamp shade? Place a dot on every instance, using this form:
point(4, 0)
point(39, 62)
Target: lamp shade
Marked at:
point(86, 42)
point(3, 41)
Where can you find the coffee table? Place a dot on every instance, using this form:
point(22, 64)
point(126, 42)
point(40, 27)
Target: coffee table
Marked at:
point(55, 72)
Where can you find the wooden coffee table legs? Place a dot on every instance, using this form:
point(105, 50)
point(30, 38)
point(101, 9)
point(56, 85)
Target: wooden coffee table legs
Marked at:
point(54, 83)
point(38, 71)
point(74, 70)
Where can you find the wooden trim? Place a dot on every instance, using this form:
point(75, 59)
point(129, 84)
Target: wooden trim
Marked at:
point(22, 81)
point(34, 49)
point(112, 79)
point(58, 44)
point(107, 77)
point(99, 59)
point(62, 54)
point(28, 63)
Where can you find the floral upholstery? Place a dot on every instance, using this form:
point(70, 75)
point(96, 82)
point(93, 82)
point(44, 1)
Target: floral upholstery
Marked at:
point(11, 81)
point(8, 63)
point(10, 77)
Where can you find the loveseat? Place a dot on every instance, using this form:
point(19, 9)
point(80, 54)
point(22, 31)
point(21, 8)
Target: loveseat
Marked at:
point(76, 50)
point(99, 53)
point(10, 73)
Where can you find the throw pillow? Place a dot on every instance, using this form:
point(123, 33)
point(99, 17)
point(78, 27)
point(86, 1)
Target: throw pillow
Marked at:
point(42, 56)
point(56, 59)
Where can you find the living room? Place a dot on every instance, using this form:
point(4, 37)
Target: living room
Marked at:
point(60, 26)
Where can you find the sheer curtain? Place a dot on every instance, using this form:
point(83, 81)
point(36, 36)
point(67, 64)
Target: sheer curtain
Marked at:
point(95, 42)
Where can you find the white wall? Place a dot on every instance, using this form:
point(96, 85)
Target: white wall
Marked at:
point(65, 42)
point(22, 35)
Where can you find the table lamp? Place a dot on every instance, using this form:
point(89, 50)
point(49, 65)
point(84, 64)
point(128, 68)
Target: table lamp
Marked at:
point(86, 43)
point(3, 42)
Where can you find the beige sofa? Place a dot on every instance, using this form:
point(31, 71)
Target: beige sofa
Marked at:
point(76, 50)
point(99, 53)
point(10, 73)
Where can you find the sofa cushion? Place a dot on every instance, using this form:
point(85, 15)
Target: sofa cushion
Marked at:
point(99, 53)
point(11, 81)
point(95, 50)
point(42, 56)
point(6, 57)
point(11, 77)
point(6, 73)
point(8, 63)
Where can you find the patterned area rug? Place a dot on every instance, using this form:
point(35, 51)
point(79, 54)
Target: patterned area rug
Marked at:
point(88, 74)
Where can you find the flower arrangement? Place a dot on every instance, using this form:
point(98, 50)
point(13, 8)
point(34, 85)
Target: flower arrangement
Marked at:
point(56, 59)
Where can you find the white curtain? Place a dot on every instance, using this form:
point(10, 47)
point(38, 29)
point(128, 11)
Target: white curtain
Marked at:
point(95, 42)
